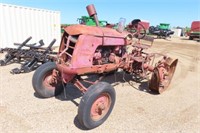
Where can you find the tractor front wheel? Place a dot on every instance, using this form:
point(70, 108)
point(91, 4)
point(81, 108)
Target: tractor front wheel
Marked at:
point(96, 105)
point(45, 83)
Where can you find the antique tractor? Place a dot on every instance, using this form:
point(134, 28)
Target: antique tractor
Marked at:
point(86, 50)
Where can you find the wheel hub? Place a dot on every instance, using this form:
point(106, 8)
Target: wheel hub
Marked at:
point(51, 79)
point(100, 107)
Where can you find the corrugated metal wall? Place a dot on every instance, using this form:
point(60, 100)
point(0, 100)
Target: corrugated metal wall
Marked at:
point(18, 23)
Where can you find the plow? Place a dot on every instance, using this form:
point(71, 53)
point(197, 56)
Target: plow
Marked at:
point(29, 55)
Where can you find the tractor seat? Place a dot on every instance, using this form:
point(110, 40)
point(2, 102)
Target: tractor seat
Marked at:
point(144, 43)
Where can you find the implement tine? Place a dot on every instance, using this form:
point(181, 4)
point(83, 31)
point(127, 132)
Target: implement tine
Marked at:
point(41, 43)
point(32, 44)
point(28, 45)
point(24, 43)
point(50, 46)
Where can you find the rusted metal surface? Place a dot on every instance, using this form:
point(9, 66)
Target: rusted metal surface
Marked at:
point(100, 106)
point(162, 75)
point(107, 52)
point(86, 50)
point(94, 31)
point(92, 13)
point(101, 50)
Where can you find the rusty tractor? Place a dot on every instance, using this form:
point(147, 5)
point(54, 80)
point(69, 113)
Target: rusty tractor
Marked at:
point(86, 50)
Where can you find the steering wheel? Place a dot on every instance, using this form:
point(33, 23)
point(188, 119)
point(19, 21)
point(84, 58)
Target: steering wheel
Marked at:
point(137, 29)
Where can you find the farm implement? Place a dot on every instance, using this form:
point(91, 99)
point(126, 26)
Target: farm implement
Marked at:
point(29, 55)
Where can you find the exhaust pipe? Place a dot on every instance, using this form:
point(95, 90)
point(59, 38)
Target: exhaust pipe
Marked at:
point(92, 13)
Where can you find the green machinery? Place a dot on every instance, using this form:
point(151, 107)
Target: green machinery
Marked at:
point(164, 26)
point(86, 20)
point(90, 21)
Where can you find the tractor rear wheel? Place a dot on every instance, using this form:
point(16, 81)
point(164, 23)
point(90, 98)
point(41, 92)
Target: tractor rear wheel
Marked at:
point(45, 83)
point(96, 105)
point(160, 85)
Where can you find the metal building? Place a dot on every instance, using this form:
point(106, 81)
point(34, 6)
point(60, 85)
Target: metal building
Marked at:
point(18, 23)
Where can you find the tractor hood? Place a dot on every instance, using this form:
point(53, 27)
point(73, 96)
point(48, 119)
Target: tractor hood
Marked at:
point(95, 31)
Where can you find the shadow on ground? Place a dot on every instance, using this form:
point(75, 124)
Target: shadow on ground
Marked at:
point(71, 93)
point(78, 124)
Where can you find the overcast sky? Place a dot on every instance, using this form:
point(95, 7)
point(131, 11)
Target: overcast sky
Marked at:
point(175, 12)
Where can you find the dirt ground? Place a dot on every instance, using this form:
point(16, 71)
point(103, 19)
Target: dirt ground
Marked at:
point(135, 110)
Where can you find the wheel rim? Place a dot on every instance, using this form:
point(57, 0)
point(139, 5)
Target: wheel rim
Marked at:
point(100, 107)
point(166, 81)
point(162, 77)
point(49, 81)
point(168, 78)
point(158, 84)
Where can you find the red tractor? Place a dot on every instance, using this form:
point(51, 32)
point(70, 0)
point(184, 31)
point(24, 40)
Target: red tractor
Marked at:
point(86, 50)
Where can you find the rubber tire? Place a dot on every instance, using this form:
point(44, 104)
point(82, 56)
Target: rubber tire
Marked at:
point(37, 81)
point(87, 100)
point(190, 38)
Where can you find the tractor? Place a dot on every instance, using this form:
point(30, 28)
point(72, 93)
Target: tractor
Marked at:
point(88, 50)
